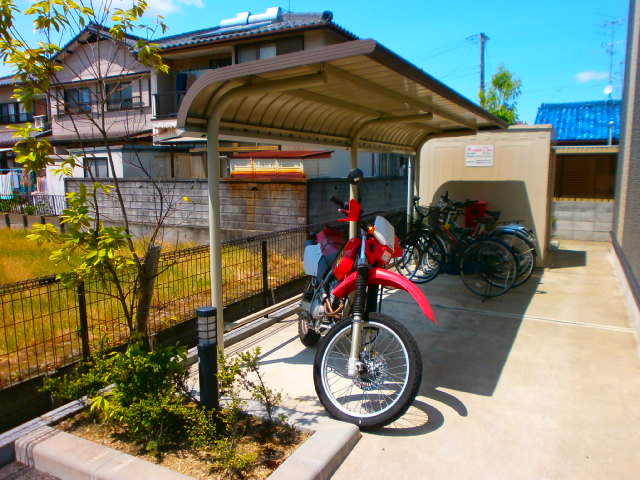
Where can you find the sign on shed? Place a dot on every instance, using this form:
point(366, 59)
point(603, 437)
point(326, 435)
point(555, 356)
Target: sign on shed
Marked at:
point(478, 156)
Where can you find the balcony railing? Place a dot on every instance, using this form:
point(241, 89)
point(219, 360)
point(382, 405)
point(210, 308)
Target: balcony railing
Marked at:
point(7, 118)
point(167, 104)
point(42, 121)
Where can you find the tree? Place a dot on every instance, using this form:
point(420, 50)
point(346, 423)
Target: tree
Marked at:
point(109, 255)
point(501, 98)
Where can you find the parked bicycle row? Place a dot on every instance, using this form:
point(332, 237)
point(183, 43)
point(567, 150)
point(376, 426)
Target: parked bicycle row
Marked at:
point(490, 257)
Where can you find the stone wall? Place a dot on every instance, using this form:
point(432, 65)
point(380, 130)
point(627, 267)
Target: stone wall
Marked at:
point(582, 220)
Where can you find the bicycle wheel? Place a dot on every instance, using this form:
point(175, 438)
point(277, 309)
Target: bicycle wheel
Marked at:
point(488, 267)
point(421, 258)
point(524, 250)
point(388, 382)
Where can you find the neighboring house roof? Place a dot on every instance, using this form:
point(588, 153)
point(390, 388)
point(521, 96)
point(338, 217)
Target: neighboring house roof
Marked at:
point(303, 154)
point(582, 121)
point(8, 80)
point(285, 22)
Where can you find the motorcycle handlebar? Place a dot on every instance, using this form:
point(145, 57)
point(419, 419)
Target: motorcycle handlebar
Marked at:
point(339, 202)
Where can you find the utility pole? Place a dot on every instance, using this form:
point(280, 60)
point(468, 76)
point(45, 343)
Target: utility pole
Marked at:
point(610, 50)
point(483, 39)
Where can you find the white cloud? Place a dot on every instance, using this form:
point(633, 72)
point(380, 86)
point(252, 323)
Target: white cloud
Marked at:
point(590, 76)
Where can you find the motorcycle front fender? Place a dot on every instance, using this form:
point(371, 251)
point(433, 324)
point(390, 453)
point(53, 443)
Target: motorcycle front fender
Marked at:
point(386, 278)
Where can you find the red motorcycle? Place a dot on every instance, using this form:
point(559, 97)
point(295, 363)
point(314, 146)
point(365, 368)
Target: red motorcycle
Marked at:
point(367, 369)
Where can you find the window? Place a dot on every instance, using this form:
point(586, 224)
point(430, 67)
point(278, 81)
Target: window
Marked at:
point(98, 167)
point(260, 51)
point(119, 96)
point(13, 113)
point(77, 100)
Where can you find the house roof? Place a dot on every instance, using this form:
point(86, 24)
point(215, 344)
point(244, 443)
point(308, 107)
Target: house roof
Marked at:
point(284, 154)
point(7, 80)
point(285, 22)
point(582, 121)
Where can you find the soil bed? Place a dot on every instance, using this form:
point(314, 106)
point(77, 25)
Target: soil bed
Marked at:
point(271, 446)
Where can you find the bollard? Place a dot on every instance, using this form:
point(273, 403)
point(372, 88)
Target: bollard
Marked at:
point(208, 356)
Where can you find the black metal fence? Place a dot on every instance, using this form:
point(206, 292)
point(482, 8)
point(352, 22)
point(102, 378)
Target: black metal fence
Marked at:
point(33, 204)
point(44, 325)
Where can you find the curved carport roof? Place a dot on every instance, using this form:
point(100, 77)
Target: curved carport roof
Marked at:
point(331, 95)
point(355, 94)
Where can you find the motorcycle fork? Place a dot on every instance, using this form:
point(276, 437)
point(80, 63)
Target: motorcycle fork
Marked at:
point(363, 302)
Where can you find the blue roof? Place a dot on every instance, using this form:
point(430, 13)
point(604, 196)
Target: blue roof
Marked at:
point(582, 121)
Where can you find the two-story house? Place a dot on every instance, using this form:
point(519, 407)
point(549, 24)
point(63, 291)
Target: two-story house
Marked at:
point(12, 178)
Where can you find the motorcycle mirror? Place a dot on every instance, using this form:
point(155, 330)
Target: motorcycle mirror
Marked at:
point(355, 176)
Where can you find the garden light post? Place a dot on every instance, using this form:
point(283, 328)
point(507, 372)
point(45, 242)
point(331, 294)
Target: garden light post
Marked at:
point(208, 356)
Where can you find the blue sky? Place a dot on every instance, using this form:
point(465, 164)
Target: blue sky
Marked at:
point(554, 47)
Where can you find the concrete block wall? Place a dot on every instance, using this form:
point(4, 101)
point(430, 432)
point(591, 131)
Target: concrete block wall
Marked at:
point(252, 207)
point(378, 194)
point(582, 220)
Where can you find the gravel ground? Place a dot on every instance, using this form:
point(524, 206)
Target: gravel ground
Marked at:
point(18, 471)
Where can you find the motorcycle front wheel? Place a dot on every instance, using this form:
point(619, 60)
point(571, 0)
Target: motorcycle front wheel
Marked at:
point(388, 382)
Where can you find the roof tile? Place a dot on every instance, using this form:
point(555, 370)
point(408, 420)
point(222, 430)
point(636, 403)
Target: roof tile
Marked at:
point(582, 121)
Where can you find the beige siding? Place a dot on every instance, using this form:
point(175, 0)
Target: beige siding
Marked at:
point(99, 59)
point(518, 184)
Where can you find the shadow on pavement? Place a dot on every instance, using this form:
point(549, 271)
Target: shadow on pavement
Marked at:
point(567, 258)
point(469, 346)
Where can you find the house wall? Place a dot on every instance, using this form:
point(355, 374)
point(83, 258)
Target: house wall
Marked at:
point(107, 57)
point(585, 175)
point(81, 68)
point(519, 183)
point(626, 231)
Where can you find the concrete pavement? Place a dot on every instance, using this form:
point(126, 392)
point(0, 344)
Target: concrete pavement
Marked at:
point(542, 383)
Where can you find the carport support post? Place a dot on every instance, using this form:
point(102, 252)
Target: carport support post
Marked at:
point(410, 188)
point(213, 183)
point(353, 189)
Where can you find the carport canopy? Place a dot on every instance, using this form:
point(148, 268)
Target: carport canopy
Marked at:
point(355, 94)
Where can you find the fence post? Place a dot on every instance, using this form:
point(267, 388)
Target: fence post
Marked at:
point(265, 273)
point(208, 356)
point(7, 220)
point(84, 325)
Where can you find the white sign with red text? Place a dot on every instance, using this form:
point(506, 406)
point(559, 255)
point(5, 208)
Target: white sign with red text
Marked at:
point(478, 156)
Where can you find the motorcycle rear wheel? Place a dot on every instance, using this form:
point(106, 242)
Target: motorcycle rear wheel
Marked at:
point(388, 385)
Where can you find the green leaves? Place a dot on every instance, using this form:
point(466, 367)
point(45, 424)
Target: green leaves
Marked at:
point(501, 98)
point(32, 152)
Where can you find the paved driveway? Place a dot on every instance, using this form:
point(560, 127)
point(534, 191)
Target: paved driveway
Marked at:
point(543, 383)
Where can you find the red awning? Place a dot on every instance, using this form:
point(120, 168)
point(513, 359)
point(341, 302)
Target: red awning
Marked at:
point(284, 154)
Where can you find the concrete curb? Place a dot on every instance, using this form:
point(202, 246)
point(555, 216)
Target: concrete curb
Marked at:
point(321, 455)
point(69, 457)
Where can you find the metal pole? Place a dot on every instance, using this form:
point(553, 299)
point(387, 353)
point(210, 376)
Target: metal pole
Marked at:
point(213, 173)
point(409, 192)
point(265, 273)
point(353, 189)
point(84, 325)
point(208, 357)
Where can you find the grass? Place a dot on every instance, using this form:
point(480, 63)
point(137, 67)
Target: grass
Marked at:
point(39, 325)
point(21, 259)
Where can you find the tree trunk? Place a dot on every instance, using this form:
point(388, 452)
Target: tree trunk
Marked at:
point(145, 288)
